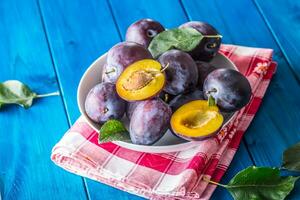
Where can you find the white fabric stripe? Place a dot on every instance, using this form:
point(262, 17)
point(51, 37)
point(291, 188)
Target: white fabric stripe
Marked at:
point(175, 182)
point(119, 167)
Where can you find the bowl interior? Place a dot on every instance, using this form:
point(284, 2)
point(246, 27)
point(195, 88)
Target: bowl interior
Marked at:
point(93, 75)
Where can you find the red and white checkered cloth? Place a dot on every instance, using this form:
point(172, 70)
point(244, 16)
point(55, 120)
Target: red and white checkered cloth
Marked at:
point(176, 175)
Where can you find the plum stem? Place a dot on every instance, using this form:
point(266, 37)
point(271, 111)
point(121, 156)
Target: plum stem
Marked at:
point(111, 71)
point(105, 110)
point(213, 36)
point(165, 67)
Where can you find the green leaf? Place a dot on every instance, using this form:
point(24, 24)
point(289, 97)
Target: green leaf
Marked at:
point(291, 158)
point(15, 92)
point(185, 39)
point(113, 130)
point(260, 183)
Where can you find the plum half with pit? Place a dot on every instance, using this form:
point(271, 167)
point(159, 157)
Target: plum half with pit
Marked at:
point(209, 46)
point(103, 103)
point(120, 56)
point(149, 121)
point(181, 71)
point(230, 89)
point(143, 31)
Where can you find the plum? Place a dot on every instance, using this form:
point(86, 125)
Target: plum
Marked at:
point(102, 103)
point(131, 107)
point(204, 69)
point(120, 56)
point(143, 31)
point(209, 46)
point(149, 122)
point(185, 98)
point(229, 88)
point(181, 73)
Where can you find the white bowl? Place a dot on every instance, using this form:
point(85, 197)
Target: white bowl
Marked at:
point(169, 142)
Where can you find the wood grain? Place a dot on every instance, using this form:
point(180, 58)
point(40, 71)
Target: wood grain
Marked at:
point(282, 19)
point(27, 136)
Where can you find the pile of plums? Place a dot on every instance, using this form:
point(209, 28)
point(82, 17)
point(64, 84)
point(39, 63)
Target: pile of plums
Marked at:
point(189, 76)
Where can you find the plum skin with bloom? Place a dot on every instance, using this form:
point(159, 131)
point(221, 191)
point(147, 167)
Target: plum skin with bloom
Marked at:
point(103, 103)
point(229, 88)
point(181, 73)
point(143, 31)
point(149, 121)
point(120, 56)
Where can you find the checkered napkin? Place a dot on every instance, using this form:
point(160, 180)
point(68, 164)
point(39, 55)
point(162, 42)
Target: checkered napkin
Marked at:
point(176, 175)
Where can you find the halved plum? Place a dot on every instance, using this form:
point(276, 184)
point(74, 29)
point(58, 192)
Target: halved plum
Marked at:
point(141, 80)
point(196, 120)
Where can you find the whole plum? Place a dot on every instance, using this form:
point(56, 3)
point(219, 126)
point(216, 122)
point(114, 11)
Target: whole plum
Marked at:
point(143, 31)
point(149, 121)
point(204, 69)
point(181, 73)
point(131, 107)
point(185, 98)
point(209, 46)
point(102, 103)
point(120, 56)
point(229, 88)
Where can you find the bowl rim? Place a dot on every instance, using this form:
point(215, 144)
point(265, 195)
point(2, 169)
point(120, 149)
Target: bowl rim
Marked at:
point(143, 148)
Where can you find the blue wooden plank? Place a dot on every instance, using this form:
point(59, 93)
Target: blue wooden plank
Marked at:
point(168, 13)
point(282, 18)
point(274, 127)
point(27, 136)
point(128, 11)
point(78, 33)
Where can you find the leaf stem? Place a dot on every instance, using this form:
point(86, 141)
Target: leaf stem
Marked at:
point(213, 182)
point(212, 36)
point(48, 94)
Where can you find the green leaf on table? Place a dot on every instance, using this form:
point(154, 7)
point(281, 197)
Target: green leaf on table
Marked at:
point(185, 39)
point(291, 158)
point(260, 183)
point(113, 130)
point(16, 92)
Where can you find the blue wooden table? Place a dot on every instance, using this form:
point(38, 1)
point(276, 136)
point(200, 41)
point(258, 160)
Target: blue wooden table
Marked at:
point(49, 44)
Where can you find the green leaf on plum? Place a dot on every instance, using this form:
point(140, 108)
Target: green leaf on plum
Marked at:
point(16, 92)
point(113, 130)
point(291, 158)
point(260, 183)
point(184, 39)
